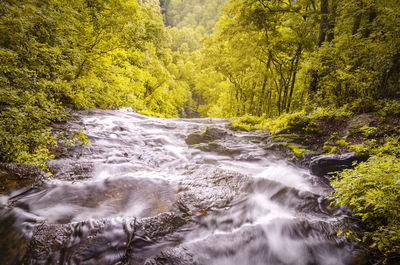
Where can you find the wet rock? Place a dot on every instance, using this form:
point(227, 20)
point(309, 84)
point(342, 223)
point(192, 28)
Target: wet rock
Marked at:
point(324, 164)
point(159, 226)
point(209, 187)
point(282, 131)
point(153, 200)
point(232, 249)
point(69, 169)
point(105, 241)
point(15, 176)
point(122, 196)
point(257, 244)
point(278, 147)
point(219, 148)
point(14, 242)
point(195, 138)
point(210, 134)
point(215, 133)
point(176, 256)
point(357, 257)
point(302, 201)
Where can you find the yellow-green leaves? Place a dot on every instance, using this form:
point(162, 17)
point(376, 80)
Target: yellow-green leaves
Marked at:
point(372, 192)
point(59, 53)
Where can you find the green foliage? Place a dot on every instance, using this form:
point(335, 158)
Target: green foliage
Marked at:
point(389, 108)
point(247, 122)
point(362, 105)
point(297, 150)
point(329, 149)
point(251, 55)
point(364, 130)
point(192, 13)
point(359, 66)
point(341, 142)
point(185, 39)
point(296, 122)
point(102, 54)
point(24, 119)
point(390, 147)
point(301, 123)
point(360, 149)
point(81, 137)
point(372, 192)
point(265, 51)
point(329, 113)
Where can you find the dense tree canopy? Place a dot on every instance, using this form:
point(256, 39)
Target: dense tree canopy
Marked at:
point(192, 14)
point(82, 53)
point(277, 55)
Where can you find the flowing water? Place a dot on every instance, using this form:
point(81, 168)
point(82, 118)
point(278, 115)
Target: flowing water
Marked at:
point(139, 194)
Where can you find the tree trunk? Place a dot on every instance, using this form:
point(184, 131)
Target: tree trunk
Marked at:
point(371, 17)
point(280, 96)
point(323, 25)
point(331, 23)
point(262, 97)
point(296, 64)
point(326, 25)
point(312, 89)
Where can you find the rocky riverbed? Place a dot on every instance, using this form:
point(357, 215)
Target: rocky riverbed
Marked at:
point(148, 190)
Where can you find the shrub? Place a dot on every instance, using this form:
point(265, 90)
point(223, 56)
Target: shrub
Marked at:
point(248, 122)
point(329, 113)
point(297, 150)
point(363, 105)
point(372, 192)
point(389, 108)
point(329, 149)
point(296, 122)
point(25, 135)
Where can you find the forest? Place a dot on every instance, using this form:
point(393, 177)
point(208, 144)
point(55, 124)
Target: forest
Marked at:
point(271, 64)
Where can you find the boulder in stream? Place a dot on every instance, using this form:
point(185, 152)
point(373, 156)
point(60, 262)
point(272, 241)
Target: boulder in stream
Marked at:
point(209, 135)
point(15, 176)
point(323, 164)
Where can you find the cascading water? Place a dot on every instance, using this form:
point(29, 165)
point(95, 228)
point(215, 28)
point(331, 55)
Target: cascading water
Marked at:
point(139, 194)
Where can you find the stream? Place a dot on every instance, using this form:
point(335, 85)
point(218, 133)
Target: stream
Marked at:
point(138, 193)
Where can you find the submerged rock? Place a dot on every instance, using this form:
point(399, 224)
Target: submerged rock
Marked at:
point(259, 245)
point(107, 241)
point(128, 239)
point(324, 164)
point(210, 187)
